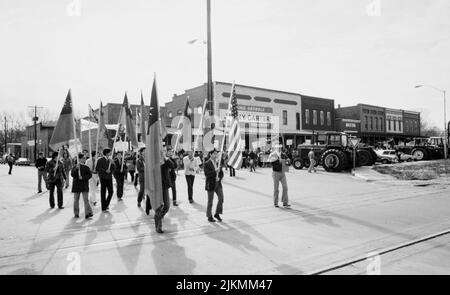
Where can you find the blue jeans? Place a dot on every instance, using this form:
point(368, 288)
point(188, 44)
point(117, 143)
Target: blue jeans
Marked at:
point(277, 178)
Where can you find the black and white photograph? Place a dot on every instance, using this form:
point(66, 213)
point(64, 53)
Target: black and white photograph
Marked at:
point(258, 139)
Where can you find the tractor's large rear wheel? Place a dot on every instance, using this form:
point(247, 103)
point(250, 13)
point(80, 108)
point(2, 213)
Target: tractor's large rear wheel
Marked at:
point(297, 163)
point(420, 154)
point(364, 157)
point(334, 160)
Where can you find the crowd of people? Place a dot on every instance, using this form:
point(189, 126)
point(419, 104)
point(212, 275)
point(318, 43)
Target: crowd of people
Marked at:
point(90, 171)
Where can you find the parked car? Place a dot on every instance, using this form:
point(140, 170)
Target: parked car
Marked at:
point(387, 156)
point(23, 162)
point(407, 158)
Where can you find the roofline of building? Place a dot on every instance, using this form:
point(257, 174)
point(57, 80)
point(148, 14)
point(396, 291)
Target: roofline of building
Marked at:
point(385, 108)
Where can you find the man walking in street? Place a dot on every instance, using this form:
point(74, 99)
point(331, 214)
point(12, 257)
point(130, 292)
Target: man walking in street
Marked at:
point(119, 174)
point(166, 184)
point(81, 175)
point(93, 181)
point(140, 167)
point(252, 157)
point(10, 160)
point(173, 175)
point(105, 168)
point(40, 165)
point(190, 169)
point(67, 163)
point(214, 175)
point(278, 176)
point(312, 161)
point(55, 176)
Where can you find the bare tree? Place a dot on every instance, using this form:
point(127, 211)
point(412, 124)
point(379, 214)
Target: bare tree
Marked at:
point(428, 130)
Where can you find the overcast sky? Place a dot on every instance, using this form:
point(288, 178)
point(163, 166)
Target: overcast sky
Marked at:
point(326, 48)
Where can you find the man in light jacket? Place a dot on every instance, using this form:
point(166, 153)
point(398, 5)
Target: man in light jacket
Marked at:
point(191, 167)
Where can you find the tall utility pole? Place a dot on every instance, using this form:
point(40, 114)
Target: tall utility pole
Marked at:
point(209, 84)
point(6, 134)
point(35, 119)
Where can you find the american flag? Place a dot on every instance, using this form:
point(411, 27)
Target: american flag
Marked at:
point(234, 136)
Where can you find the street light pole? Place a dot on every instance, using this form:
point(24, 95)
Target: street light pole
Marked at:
point(35, 119)
point(445, 117)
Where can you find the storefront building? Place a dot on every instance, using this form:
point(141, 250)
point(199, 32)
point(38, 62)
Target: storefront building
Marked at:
point(262, 113)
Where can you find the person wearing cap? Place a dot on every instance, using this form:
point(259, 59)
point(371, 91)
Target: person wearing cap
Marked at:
point(214, 174)
point(105, 169)
point(40, 166)
point(93, 181)
point(278, 176)
point(55, 176)
point(119, 174)
point(81, 175)
point(140, 167)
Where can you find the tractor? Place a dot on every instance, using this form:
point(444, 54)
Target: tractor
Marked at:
point(335, 154)
point(428, 148)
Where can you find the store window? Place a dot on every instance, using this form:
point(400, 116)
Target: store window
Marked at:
point(285, 118)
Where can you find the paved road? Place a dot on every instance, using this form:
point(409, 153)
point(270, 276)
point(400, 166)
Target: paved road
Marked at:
point(334, 217)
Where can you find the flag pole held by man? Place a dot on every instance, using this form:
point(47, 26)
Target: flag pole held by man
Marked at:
point(153, 161)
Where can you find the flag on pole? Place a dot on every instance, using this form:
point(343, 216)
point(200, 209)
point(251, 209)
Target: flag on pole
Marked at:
point(126, 123)
point(103, 139)
point(142, 119)
point(92, 114)
point(186, 114)
point(234, 136)
point(64, 130)
point(153, 159)
point(163, 129)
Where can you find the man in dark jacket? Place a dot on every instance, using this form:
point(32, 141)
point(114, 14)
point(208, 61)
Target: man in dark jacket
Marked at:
point(173, 175)
point(105, 168)
point(140, 167)
point(119, 174)
point(10, 159)
point(166, 184)
point(55, 176)
point(40, 165)
point(80, 185)
point(214, 175)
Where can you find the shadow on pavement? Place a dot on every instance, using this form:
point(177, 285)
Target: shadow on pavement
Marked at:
point(169, 257)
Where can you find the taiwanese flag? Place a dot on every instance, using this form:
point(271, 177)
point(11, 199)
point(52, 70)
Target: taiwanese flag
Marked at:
point(126, 123)
point(142, 119)
point(153, 151)
point(65, 128)
point(104, 141)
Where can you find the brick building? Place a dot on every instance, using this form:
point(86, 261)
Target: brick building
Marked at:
point(374, 124)
point(294, 116)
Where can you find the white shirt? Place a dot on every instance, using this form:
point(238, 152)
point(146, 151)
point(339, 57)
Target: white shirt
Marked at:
point(190, 166)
